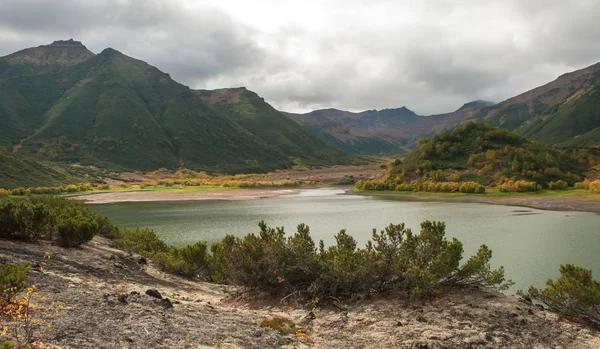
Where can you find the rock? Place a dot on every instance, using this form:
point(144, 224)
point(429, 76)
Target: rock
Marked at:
point(134, 293)
point(153, 293)
point(119, 265)
point(421, 318)
point(123, 298)
point(167, 303)
point(530, 312)
point(143, 260)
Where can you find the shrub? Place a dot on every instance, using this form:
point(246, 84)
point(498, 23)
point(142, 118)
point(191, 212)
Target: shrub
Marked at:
point(12, 281)
point(65, 222)
point(74, 231)
point(558, 185)
point(471, 187)
point(573, 294)
point(396, 260)
point(142, 241)
point(519, 186)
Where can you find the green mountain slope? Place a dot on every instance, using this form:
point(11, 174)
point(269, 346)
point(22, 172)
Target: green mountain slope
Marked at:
point(254, 114)
point(559, 112)
point(18, 171)
point(59, 103)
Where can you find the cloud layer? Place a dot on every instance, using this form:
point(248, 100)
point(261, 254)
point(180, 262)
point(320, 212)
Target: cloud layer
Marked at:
point(430, 55)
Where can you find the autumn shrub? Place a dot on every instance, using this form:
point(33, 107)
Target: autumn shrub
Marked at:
point(558, 185)
point(471, 187)
point(519, 186)
point(574, 294)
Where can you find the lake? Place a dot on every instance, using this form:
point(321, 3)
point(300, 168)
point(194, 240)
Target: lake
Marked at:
point(529, 243)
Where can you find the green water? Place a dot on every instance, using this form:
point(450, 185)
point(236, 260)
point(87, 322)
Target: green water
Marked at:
point(530, 245)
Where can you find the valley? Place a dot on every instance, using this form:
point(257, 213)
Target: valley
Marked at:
point(131, 200)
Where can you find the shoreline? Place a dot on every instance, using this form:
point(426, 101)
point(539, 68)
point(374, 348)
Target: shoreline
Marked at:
point(567, 203)
point(552, 203)
point(226, 194)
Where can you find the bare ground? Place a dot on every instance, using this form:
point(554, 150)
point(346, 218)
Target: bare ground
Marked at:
point(100, 292)
point(225, 194)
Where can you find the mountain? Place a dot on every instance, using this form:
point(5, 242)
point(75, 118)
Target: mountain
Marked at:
point(387, 131)
point(61, 102)
point(19, 171)
point(565, 111)
point(63, 52)
point(447, 121)
point(254, 114)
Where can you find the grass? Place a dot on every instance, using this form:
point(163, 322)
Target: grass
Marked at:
point(154, 188)
point(570, 193)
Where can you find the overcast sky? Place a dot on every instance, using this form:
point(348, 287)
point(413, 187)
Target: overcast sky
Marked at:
point(429, 55)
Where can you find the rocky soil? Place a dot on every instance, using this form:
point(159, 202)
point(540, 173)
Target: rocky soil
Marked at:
point(98, 299)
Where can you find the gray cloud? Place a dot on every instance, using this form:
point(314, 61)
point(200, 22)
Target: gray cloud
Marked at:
point(431, 55)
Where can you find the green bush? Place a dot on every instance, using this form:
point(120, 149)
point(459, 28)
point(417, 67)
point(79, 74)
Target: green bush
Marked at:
point(142, 241)
point(74, 231)
point(65, 222)
point(396, 260)
point(12, 281)
point(573, 294)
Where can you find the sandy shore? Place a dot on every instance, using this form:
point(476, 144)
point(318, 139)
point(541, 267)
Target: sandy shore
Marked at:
point(141, 196)
point(539, 202)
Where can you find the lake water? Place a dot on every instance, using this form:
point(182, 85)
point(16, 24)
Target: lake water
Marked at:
point(529, 243)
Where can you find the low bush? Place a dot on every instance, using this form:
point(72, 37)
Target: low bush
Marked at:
point(592, 186)
point(558, 185)
point(65, 222)
point(396, 260)
point(519, 186)
point(427, 186)
point(573, 294)
point(12, 281)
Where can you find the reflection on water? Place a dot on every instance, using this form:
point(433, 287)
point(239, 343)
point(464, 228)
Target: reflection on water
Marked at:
point(530, 243)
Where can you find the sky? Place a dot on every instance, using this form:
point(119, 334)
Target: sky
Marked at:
point(431, 56)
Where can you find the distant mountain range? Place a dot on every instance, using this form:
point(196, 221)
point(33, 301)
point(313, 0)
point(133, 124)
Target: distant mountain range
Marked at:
point(386, 131)
point(62, 102)
point(564, 112)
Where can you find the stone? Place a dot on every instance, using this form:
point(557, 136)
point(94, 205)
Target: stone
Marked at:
point(154, 293)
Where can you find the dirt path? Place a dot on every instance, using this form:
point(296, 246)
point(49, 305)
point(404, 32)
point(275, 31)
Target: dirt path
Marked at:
point(225, 194)
point(100, 294)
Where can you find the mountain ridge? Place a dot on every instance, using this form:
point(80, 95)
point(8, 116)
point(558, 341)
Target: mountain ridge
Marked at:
point(121, 113)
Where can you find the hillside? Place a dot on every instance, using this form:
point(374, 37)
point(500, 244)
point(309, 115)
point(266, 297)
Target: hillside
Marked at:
point(254, 114)
point(18, 171)
point(561, 112)
point(491, 155)
point(62, 103)
point(387, 131)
